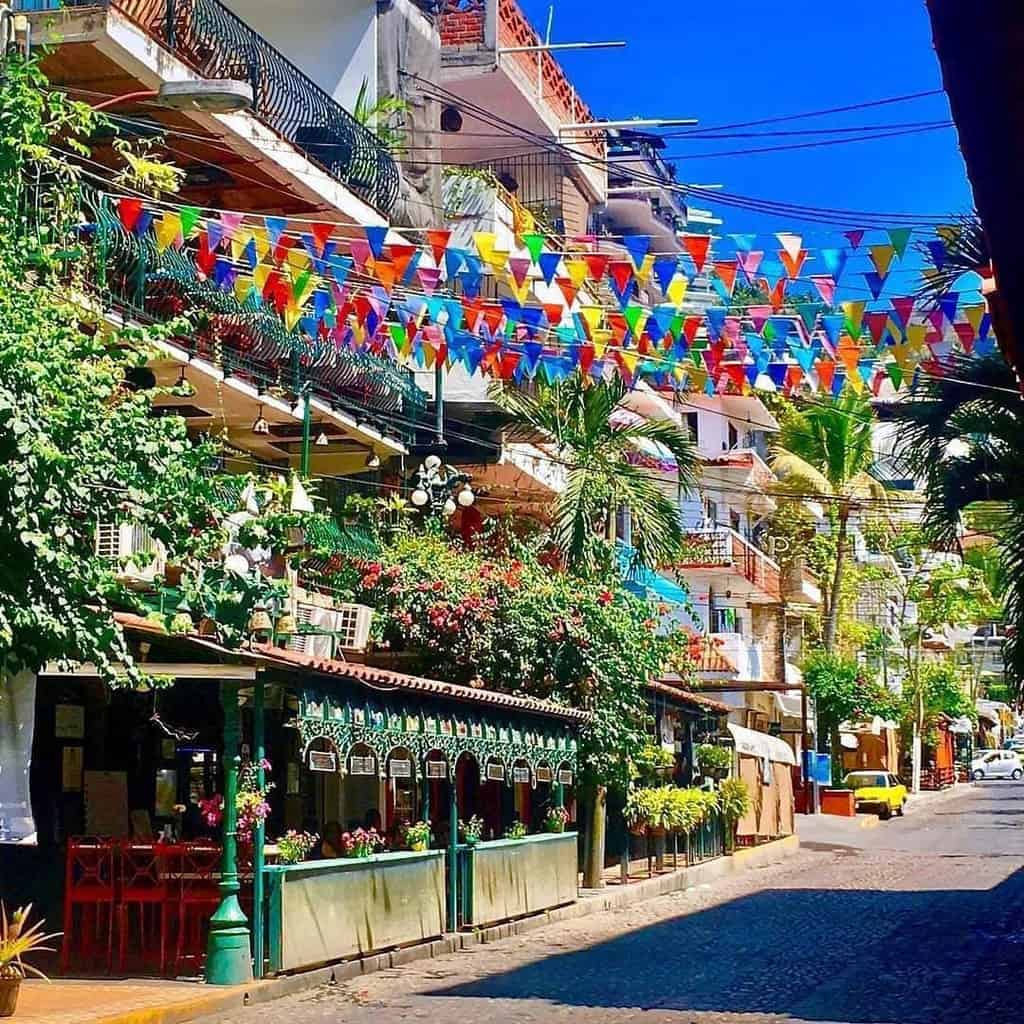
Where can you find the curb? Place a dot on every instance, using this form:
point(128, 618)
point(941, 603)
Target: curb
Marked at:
point(591, 901)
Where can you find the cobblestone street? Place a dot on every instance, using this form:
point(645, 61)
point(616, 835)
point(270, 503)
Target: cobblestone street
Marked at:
point(917, 921)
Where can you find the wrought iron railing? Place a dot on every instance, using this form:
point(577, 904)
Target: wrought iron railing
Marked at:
point(216, 43)
point(722, 546)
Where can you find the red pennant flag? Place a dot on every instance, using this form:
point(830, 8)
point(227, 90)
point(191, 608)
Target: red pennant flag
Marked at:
point(793, 264)
point(586, 357)
point(205, 258)
point(400, 257)
point(793, 377)
point(493, 314)
point(597, 264)
point(438, 242)
point(554, 312)
point(691, 325)
point(621, 272)
point(826, 373)
point(777, 295)
point(697, 246)
point(321, 231)
point(965, 332)
point(726, 273)
point(129, 211)
point(903, 307)
point(618, 325)
point(854, 237)
point(567, 288)
point(876, 324)
point(737, 375)
point(472, 310)
point(284, 244)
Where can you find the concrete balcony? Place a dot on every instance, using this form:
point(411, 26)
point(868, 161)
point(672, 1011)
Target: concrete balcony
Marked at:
point(729, 562)
point(296, 151)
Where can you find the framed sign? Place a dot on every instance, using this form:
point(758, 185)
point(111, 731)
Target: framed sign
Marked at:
point(564, 777)
point(71, 769)
point(358, 765)
point(520, 774)
point(543, 773)
point(69, 722)
point(437, 770)
point(496, 772)
point(400, 769)
point(323, 761)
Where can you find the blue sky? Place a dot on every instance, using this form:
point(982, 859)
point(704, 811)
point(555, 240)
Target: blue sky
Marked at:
point(745, 60)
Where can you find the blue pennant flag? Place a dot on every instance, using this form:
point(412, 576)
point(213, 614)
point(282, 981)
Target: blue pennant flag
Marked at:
point(375, 235)
point(339, 267)
point(777, 372)
point(454, 260)
point(745, 243)
point(531, 319)
point(548, 263)
point(833, 326)
point(937, 250)
point(875, 283)
point(637, 247)
point(948, 304)
point(249, 252)
point(834, 261)
point(715, 320)
point(455, 312)
point(275, 228)
point(626, 293)
point(754, 342)
point(665, 268)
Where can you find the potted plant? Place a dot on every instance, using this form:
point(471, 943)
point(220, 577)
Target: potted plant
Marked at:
point(17, 941)
point(734, 803)
point(294, 847)
point(556, 819)
point(417, 836)
point(715, 762)
point(517, 830)
point(472, 830)
point(643, 810)
point(361, 842)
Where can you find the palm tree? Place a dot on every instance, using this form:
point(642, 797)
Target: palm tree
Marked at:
point(577, 418)
point(825, 450)
point(965, 251)
point(962, 435)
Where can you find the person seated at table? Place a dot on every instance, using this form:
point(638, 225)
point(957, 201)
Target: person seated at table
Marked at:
point(330, 845)
point(373, 820)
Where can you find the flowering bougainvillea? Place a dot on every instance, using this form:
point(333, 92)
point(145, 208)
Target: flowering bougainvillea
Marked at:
point(505, 614)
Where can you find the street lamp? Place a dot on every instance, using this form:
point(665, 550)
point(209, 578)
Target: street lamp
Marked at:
point(441, 489)
point(205, 95)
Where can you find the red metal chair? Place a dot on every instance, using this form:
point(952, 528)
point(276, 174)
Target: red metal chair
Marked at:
point(198, 896)
point(90, 887)
point(145, 871)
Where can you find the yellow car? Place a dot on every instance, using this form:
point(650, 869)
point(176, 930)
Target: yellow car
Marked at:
point(877, 791)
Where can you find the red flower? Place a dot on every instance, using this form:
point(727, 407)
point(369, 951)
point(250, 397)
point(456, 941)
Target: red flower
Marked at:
point(605, 597)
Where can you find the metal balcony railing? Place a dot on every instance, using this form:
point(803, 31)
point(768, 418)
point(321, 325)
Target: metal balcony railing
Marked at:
point(216, 43)
point(722, 546)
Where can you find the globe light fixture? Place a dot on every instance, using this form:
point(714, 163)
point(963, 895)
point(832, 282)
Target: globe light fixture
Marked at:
point(419, 497)
point(466, 497)
point(449, 507)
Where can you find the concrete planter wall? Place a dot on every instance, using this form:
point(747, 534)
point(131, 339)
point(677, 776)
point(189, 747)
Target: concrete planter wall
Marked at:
point(328, 910)
point(511, 878)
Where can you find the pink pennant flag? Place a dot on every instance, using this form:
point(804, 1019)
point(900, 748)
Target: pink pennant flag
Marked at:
point(749, 262)
point(519, 266)
point(826, 287)
point(854, 237)
point(360, 252)
point(429, 278)
point(230, 223)
point(759, 315)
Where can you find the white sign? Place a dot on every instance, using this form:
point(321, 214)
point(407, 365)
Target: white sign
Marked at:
point(362, 765)
point(564, 777)
point(400, 769)
point(323, 761)
point(69, 722)
point(543, 773)
point(520, 774)
point(496, 772)
point(437, 770)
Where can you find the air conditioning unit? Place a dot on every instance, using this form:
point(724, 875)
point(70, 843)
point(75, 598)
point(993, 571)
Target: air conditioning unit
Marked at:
point(332, 626)
point(120, 542)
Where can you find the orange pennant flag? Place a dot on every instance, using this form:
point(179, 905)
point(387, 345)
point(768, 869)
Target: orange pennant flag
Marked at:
point(697, 246)
point(793, 263)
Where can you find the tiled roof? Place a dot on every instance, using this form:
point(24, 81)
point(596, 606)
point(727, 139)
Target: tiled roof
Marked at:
point(682, 696)
point(401, 681)
point(269, 654)
point(712, 660)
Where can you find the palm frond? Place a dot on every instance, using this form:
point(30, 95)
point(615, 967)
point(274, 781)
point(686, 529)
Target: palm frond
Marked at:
point(797, 475)
point(964, 253)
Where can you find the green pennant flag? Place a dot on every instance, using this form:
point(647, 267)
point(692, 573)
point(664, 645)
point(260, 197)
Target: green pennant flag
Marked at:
point(398, 335)
point(675, 328)
point(632, 315)
point(895, 373)
point(534, 244)
point(299, 284)
point(189, 219)
point(809, 314)
point(768, 332)
point(900, 238)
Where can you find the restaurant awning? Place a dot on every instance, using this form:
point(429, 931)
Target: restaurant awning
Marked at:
point(751, 743)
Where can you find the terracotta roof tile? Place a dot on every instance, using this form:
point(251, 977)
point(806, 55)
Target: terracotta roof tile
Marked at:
point(684, 696)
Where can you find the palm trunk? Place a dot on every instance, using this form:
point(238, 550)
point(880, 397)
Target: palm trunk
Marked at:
point(832, 616)
point(593, 864)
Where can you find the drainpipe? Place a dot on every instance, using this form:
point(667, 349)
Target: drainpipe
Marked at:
point(453, 851)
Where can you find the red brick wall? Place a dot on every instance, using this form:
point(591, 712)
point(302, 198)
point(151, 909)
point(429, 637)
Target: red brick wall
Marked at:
point(462, 27)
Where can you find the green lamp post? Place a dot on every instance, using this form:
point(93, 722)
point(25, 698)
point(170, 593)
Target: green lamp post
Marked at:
point(228, 952)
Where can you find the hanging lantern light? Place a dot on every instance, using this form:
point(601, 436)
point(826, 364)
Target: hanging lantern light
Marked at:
point(259, 620)
point(466, 497)
point(372, 461)
point(261, 426)
point(419, 497)
point(432, 462)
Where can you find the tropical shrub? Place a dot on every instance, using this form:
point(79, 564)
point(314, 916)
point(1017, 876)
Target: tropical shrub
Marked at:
point(713, 759)
point(733, 799)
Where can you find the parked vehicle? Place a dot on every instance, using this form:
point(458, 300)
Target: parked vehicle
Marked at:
point(997, 764)
point(877, 791)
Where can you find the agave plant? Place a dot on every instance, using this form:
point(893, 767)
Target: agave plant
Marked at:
point(385, 118)
point(18, 940)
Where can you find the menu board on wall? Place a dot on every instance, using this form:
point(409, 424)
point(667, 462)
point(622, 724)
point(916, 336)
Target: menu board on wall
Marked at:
point(69, 722)
point(106, 804)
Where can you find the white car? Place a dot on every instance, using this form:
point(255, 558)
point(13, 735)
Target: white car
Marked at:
point(997, 764)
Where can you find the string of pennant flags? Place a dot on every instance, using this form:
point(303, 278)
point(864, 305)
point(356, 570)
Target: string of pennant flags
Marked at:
point(587, 310)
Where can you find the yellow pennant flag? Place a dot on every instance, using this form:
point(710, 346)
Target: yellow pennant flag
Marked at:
point(854, 313)
point(698, 377)
point(297, 259)
point(643, 272)
point(168, 231)
point(974, 313)
point(292, 315)
point(949, 233)
point(599, 339)
point(577, 270)
point(260, 275)
point(259, 236)
point(498, 259)
point(485, 242)
point(239, 240)
point(243, 286)
point(630, 357)
point(676, 291)
point(916, 334)
point(520, 291)
point(592, 316)
point(881, 256)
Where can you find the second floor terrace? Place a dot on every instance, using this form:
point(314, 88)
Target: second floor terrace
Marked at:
point(296, 150)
